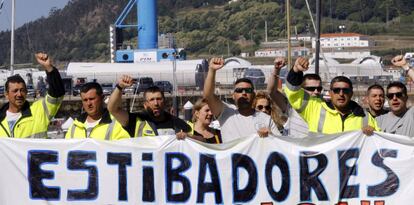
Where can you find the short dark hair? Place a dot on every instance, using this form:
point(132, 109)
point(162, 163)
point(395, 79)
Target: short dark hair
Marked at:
point(153, 89)
point(92, 85)
point(341, 79)
point(312, 76)
point(14, 79)
point(375, 86)
point(399, 85)
point(244, 80)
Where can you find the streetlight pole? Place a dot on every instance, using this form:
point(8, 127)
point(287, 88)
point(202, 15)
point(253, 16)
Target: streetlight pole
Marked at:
point(289, 57)
point(12, 38)
point(318, 35)
point(175, 100)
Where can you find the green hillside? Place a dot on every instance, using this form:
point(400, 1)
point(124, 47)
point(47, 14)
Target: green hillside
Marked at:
point(80, 31)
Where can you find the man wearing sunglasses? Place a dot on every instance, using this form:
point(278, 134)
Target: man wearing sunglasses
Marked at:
point(400, 119)
point(312, 84)
point(341, 114)
point(241, 120)
point(375, 99)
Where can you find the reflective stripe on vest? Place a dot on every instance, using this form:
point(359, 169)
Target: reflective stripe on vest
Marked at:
point(72, 131)
point(322, 117)
point(304, 102)
point(109, 130)
point(141, 128)
point(53, 100)
point(40, 135)
point(365, 119)
point(45, 108)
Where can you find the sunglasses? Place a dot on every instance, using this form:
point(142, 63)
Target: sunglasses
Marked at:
point(246, 90)
point(398, 95)
point(344, 90)
point(313, 88)
point(260, 107)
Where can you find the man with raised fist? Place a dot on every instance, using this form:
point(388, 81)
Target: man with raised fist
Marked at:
point(240, 120)
point(341, 114)
point(19, 118)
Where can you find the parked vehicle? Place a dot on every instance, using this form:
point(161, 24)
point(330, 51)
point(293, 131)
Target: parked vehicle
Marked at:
point(131, 89)
point(30, 90)
point(256, 76)
point(107, 88)
point(144, 83)
point(2, 91)
point(164, 85)
point(76, 89)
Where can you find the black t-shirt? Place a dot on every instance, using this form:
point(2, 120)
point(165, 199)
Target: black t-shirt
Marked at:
point(169, 122)
point(212, 140)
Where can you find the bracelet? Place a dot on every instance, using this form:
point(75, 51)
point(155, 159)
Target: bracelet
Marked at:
point(119, 87)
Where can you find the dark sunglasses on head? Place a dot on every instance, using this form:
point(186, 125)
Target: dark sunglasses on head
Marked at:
point(344, 90)
point(246, 90)
point(313, 88)
point(260, 107)
point(398, 95)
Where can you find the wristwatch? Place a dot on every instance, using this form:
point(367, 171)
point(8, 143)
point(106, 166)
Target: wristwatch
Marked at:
point(119, 87)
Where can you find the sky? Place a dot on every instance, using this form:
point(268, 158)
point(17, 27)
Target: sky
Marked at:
point(26, 11)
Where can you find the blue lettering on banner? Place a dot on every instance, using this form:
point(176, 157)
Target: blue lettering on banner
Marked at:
point(37, 158)
point(122, 160)
point(345, 172)
point(310, 180)
point(77, 162)
point(277, 159)
point(175, 175)
point(148, 187)
point(391, 183)
point(240, 161)
point(208, 161)
point(208, 182)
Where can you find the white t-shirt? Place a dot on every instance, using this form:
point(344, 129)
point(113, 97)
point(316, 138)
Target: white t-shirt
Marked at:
point(295, 126)
point(401, 125)
point(12, 118)
point(90, 125)
point(234, 125)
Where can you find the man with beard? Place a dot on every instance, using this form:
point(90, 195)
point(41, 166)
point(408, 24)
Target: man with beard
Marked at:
point(400, 119)
point(340, 115)
point(19, 118)
point(95, 122)
point(153, 121)
point(241, 120)
point(375, 99)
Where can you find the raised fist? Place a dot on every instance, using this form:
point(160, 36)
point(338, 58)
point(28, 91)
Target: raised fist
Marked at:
point(125, 81)
point(301, 64)
point(400, 62)
point(279, 63)
point(216, 63)
point(44, 60)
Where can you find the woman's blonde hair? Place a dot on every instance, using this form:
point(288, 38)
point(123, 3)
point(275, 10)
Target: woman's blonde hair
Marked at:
point(275, 111)
point(197, 107)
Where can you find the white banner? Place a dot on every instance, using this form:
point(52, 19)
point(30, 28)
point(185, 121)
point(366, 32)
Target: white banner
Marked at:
point(343, 169)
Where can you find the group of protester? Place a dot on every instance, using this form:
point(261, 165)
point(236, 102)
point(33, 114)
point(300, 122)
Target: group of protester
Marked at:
point(298, 111)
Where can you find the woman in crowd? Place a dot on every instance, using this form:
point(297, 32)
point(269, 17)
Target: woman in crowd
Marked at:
point(263, 103)
point(202, 118)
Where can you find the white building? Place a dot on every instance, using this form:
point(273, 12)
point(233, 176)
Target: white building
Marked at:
point(281, 52)
point(346, 54)
point(300, 37)
point(343, 40)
